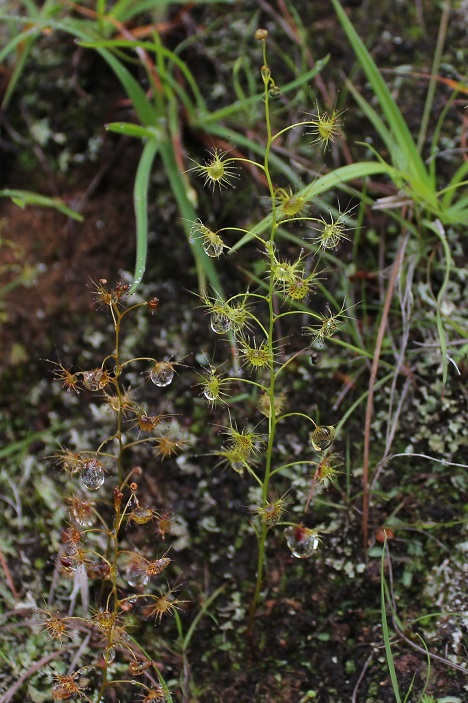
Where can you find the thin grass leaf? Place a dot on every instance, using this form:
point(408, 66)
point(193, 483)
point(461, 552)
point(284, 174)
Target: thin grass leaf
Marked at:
point(436, 63)
point(385, 631)
point(31, 7)
point(172, 85)
point(457, 214)
point(149, 116)
point(409, 158)
point(428, 673)
point(438, 229)
point(143, 107)
point(134, 130)
point(26, 197)
point(33, 28)
point(375, 119)
point(21, 445)
point(126, 9)
point(380, 383)
point(456, 181)
point(27, 38)
point(140, 201)
point(193, 626)
point(408, 692)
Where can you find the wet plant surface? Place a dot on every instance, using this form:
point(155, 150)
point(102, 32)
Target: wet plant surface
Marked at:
point(318, 632)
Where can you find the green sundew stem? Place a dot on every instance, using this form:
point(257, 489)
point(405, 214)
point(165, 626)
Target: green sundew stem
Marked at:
point(294, 463)
point(272, 421)
point(246, 380)
point(282, 417)
point(244, 161)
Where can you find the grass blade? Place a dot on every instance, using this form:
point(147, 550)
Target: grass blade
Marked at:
point(438, 229)
point(140, 201)
point(409, 158)
point(134, 130)
point(386, 635)
point(27, 197)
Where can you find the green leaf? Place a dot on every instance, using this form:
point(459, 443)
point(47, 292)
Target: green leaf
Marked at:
point(134, 130)
point(438, 229)
point(405, 154)
point(385, 631)
point(140, 202)
point(26, 197)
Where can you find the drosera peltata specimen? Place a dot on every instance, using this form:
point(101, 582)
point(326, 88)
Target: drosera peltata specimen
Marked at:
point(256, 319)
point(121, 582)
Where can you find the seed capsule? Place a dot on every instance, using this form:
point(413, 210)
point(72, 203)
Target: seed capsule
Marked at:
point(138, 667)
point(261, 34)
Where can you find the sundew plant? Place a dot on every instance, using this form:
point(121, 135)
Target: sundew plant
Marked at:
point(254, 320)
point(106, 505)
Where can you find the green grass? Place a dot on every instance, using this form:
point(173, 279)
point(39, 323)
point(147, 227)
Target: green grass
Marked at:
point(410, 173)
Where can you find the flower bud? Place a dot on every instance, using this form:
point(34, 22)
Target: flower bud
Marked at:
point(118, 495)
point(266, 74)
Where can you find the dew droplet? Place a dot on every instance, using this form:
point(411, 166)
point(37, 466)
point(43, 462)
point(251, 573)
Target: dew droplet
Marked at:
point(302, 541)
point(238, 466)
point(140, 515)
point(135, 575)
point(220, 323)
point(109, 654)
point(96, 379)
point(322, 437)
point(213, 247)
point(162, 373)
point(92, 474)
point(209, 395)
